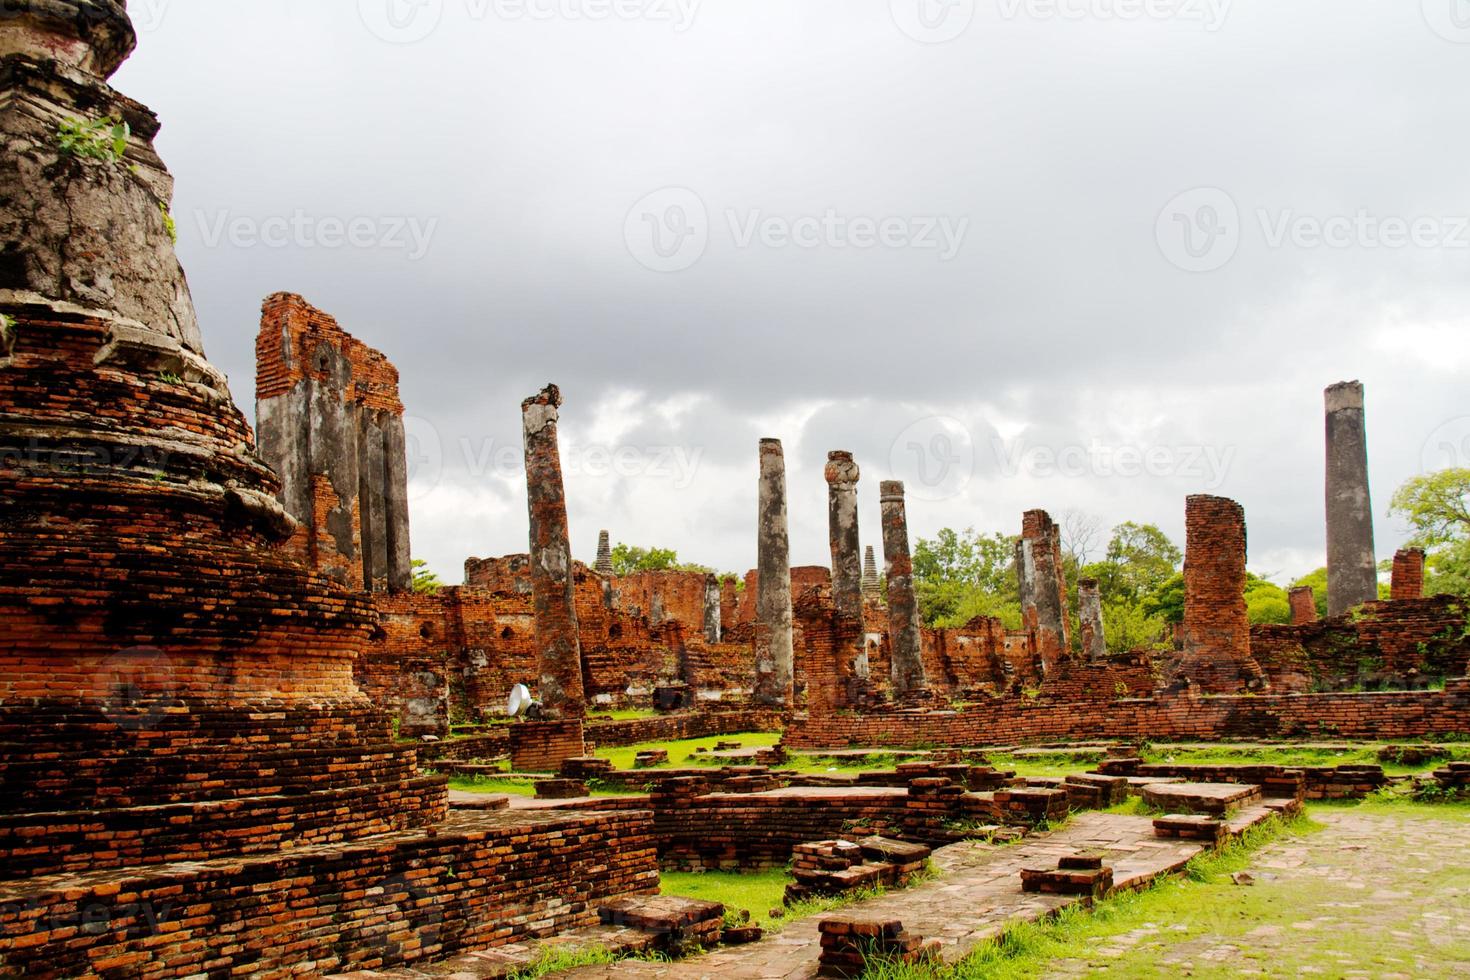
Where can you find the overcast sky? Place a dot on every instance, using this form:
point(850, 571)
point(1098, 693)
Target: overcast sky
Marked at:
point(1091, 254)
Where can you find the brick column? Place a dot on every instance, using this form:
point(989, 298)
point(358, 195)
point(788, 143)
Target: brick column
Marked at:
point(1352, 564)
point(1217, 641)
point(903, 608)
point(1090, 614)
point(774, 657)
point(558, 648)
point(1303, 606)
point(848, 636)
point(1408, 574)
point(604, 565)
point(872, 588)
point(1043, 589)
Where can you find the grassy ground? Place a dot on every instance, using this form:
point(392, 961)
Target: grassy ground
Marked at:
point(760, 892)
point(681, 751)
point(510, 786)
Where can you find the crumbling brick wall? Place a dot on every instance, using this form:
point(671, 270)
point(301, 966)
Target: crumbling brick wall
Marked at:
point(1217, 641)
point(1384, 644)
point(331, 425)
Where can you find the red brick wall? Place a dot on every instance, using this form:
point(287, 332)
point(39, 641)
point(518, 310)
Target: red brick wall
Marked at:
point(1366, 716)
point(1408, 574)
point(1217, 650)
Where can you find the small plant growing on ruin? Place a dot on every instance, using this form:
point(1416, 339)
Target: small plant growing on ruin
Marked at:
point(104, 139)
point(169, 225)
point(169, 378)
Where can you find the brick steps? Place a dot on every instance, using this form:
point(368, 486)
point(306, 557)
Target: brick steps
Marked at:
point(33, 844)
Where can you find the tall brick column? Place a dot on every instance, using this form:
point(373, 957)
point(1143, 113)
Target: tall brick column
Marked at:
point(903, 607)
point(872, 588)
point(1090, 616)
point(558, 649)
point(847, 576)
point(1217, 638)
point(1043, 588)
point(1352, 563)
point(1408, 574)
point(604, 565)
point(713, 629)
point(842, 525)
point(775, 678)
point(1303, 606)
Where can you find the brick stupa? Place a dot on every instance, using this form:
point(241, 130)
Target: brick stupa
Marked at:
point(188, 763)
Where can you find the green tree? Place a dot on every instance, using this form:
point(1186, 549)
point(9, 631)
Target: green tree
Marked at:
point(1130, 626)
point(961, 575)
point(1140, 559)
point(1166, 601)
point(1266, 602)
point(1437, 509)
point(630, 560)
point(1317, 582)
point(425, 582)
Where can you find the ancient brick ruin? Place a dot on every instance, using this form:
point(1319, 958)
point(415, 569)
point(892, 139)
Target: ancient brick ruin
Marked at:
point(218, 687)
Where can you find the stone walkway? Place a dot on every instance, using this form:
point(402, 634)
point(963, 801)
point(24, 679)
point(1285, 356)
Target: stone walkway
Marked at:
point(1377, 894)
point(978, 894)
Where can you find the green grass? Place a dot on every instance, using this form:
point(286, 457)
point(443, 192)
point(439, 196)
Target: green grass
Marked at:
point(509, 786)
point(759, 892)
point(1289, 755)
point(622, 714)
point(558, 959)
point(680, 751)
point(1197, 902)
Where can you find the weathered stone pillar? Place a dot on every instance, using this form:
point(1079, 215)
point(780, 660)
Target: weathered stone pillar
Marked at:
point(842, 525)
point(1090, 617)
point(1303, 606)
point(872, 588)
point(1217, 632)
point(1352, 564)
point(775, 678)
point(903, 607)
point(1408, 574)
point(729, 605)
point(712, 606)
point(604, 565)
point(1043, 588)
point(558, 649)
